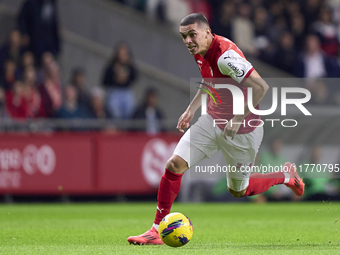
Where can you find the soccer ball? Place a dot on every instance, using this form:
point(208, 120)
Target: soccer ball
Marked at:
point(175, 229)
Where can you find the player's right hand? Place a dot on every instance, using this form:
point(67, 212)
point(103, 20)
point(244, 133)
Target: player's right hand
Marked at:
point(184, 121)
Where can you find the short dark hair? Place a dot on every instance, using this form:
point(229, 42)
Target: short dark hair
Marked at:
point(193, 18)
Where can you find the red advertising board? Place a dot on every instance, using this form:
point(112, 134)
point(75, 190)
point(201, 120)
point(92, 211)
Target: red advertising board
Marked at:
point(133, 163)
point(46, 164)
point(83, 163)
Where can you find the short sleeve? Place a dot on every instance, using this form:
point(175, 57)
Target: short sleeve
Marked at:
point(234, 65)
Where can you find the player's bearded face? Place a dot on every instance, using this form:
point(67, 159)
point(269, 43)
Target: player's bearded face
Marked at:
point(195, 38)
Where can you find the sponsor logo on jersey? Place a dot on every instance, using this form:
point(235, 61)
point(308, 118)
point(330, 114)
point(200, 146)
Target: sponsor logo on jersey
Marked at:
point(239, 72)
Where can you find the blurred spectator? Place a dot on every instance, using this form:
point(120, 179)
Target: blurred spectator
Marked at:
point(335, 92)
point(285, 54)
point(137, 4)
point(27, 60)
point(277, 20)
point(326, 30)
point(175, 11)
point(70, 108)
point(23, 99)
point(297, 27)
point(261, 23)
point(38, 22)
point(98, 108)
point(273, 157)
point(261, 41)
point(270, 20)
point(16, 103)
point(156, 10)
point(50, 87)
point(140, 5)
point(8, 77)
point(293, 8)
point(313, 63)
point(320, 92)
point(278, 27)
point(222, 23)
point(256, 3)
point(12, 49)
point(243, 30)
point(335, 7)
point(118, 79)
point(310, 10)
point(201, 6)
point(3, 113)
point(276, 10)
point(33, 99)
point(317, 184)
point(78, 78)
point(150, 112)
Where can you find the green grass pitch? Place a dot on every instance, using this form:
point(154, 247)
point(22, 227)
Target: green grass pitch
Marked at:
point(241, 228)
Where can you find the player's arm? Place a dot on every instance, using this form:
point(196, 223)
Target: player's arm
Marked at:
point(188, 115)
point(232, 64)
point(259, 86)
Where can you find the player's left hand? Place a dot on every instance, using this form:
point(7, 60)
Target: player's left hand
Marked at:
point(232, 128)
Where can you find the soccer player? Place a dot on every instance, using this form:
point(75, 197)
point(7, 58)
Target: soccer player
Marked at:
point(218, 57)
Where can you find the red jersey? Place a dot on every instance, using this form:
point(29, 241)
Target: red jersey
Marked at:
point(16, 106)
point(225, 60)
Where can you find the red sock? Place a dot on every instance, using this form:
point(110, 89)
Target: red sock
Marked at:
point(259, 183)
point(167, 192)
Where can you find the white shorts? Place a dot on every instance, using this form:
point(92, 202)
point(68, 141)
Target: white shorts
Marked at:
point(202, 140)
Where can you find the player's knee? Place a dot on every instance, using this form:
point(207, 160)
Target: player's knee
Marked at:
point(237, 193)
point(173, 166)
point(176, 165)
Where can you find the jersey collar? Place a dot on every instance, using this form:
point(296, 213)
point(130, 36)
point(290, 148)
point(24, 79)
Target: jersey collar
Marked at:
point(209, 53)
